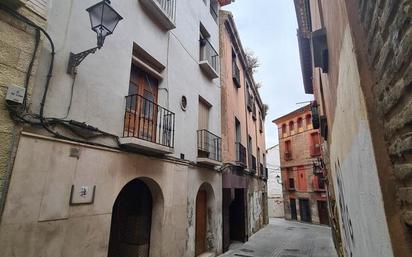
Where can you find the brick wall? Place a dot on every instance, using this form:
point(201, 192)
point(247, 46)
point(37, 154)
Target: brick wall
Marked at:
point(389, 38)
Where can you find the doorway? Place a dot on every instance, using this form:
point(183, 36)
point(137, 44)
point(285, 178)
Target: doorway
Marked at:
point(293, 211)
point(237, 228)
point(131, 221)
point(304, 207)
point(323, 212)
point(141, 118)
point(201, 222)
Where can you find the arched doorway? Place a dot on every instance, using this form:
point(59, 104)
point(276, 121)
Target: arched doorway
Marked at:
point(204, 241)
point(131, 227)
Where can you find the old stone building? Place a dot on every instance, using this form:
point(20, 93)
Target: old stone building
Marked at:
point(120, 151)
point(356, 60)
point(304, 190)
point(243, 141)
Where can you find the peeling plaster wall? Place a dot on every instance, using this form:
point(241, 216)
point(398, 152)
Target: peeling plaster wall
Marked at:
point(38, 220)
point(354, 172)
point(255, 202)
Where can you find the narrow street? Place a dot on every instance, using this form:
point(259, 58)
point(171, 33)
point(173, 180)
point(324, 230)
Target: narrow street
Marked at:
point(283, 238)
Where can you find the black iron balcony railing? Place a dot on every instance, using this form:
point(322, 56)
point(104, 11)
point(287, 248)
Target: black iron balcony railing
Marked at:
point(146, 120)
point(315, 150)
point(169, 7)
point(209, 145)
point(209, 54)
point(214, 12)
point(250, 101)
point(253, 166)
point(261, 170)
point(240, 154)
point(254, 111)
point(236, 74)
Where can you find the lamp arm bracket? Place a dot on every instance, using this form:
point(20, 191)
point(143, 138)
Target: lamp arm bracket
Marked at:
point(76, 59)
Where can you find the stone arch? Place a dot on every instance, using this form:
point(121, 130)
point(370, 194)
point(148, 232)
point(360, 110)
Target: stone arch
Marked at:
point(140, 203)
point(205, 191)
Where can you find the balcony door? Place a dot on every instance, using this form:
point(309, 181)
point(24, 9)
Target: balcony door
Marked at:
point(141, 114)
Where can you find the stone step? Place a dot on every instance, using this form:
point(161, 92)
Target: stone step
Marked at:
point(207, 254)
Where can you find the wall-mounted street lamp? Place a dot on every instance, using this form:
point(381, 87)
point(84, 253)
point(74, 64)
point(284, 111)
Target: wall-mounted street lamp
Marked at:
point(103, 19)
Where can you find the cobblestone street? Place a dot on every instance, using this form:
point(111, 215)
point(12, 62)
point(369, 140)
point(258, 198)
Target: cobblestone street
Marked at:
point(283, 238)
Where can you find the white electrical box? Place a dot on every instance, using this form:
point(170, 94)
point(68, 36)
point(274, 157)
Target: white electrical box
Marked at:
point(15, 94)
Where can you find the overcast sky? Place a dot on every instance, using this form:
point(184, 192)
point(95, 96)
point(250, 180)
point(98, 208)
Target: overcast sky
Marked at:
point(268, 28)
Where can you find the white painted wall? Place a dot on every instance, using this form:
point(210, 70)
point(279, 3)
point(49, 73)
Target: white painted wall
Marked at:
point(275, 195)
point(354, 172)
point(103, 78)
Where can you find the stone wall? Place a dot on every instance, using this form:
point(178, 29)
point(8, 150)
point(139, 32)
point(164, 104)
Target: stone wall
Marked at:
point(17, 42)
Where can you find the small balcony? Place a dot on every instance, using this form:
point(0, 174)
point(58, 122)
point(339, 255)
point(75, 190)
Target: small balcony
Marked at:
point(250, 101)
point(315, 150)
point(319, 184)
point(209, 59)
point(288, 156)
point(236, 74)
point(252, 164)
point(213, 11)
point(291, 185)
point(266, 174)
point(147, 126)
point(240, 154)
point(261, 170)
point(209, 148)
point(164, 11)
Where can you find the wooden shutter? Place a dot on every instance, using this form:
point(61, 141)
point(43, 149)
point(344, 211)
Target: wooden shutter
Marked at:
point(203, 120)
point(38, 6)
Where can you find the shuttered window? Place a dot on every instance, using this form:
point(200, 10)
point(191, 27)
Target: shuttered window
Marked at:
point(204, 109)
point(38, 6)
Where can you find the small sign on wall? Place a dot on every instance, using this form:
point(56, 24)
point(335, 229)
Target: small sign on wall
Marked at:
point(82, 194)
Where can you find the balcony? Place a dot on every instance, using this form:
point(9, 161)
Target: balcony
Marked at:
point(209, 148)
point(319, 184)
point(291, 185)
point(213, 11)
point(164, 11)
point(254, 111)
point(209, 59)
point(236, 74)
point(240, 154)
point(315, 150)
point(147, 126)
point(250, 101)
point(266, 175)
point(288, 156)
point(252, 164)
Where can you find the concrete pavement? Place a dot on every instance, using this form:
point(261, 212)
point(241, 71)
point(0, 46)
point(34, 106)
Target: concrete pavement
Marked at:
point(283, 238)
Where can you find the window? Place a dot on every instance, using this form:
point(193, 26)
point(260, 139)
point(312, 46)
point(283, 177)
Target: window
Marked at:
point(235, 69)
point(309, 121)
point(203, 117)
point(300, 124)
point(291, 183)
point(284, 130)
point(288, 150)
point(291, 127)
point(238, 131)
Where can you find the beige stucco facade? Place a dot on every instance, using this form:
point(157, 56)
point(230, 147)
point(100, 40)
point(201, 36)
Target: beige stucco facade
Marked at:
point(40, 221)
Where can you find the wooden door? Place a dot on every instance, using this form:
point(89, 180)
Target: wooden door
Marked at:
point(293, 212)
point(201, 219)
point(304, 208)
point(142, 110)
point(323, 212)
